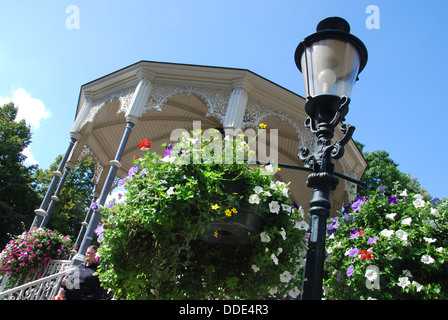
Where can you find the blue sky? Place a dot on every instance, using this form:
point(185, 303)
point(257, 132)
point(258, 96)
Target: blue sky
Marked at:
point(398, 104)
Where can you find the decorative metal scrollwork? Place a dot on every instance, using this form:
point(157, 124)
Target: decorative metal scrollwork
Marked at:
point(324, 131)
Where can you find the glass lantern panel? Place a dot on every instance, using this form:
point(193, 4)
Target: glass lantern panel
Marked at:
point(330, 66)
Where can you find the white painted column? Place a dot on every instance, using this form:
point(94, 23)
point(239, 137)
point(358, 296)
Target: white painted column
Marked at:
point(137, 108)
point(42, 211)
point(237, 105)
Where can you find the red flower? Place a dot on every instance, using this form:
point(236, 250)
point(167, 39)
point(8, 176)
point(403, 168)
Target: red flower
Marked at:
point(366, 255)
point(144, 144)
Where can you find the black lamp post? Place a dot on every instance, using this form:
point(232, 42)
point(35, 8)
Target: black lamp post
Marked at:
point(330, 61)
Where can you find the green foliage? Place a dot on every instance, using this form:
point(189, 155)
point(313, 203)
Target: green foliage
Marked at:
point(17, 196)
point(160, 243)
point(385, 247)
point(74, 198)
point(383, 171)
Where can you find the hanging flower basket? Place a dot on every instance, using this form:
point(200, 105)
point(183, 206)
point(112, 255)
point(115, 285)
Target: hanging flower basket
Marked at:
point(250, 219)
point(201, 230)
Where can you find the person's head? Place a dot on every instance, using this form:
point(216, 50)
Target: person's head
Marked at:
point(91, 254)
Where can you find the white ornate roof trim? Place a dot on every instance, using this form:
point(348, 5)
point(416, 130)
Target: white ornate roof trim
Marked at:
point(215, 99)
point(257, 111)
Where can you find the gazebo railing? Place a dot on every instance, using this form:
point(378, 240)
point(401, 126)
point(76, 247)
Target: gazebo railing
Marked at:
point(41, 289)
point(44, 288)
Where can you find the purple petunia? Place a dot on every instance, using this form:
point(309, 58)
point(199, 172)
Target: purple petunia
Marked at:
point(99, 232)
point(353, 252)
point(94, 206)
point(350, 271)
point(354, 233)
point(168, 150)
point(132, 171)
point(392, 200)
point(357, 204)
point(122, 182)
point(372, 240)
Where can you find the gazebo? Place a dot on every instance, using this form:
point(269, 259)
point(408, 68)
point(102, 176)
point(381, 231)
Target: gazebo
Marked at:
point(149, 100)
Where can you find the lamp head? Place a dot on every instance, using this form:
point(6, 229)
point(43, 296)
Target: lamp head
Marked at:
point(330, 59)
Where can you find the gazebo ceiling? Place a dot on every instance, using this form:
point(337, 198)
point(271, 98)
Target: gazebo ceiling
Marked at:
point(178, 96)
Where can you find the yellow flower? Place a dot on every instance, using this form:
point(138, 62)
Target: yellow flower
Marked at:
point(262, 125)
point(241, 135)
point(215, 207)
point(228, 213)
point(234, 210)
point(216, 234)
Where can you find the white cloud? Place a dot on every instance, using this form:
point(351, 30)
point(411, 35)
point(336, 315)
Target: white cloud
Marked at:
point(30, 109)
point(29, 156)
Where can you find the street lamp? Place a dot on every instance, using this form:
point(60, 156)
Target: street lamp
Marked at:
point(330, 61)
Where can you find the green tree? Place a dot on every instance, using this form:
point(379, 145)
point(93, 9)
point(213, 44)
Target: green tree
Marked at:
point(383, 171)
point(74, 198)
point(17, 196)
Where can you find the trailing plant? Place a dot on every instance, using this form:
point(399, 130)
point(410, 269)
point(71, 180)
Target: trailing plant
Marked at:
point(162, 240)
point(388, 247)
point(26, 256)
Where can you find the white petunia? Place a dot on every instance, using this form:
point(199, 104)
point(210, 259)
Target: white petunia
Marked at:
point(435, 212)
point(285, 277)
point(274, 207)
point(301, 225)
point(371, 274)
point(430, 240)
point(264, 237)
point(417, 286)
point(294, 292)
point(419, 202)
point(407, 273)
point(286, 207)
point(255, 268)
point(254, 199)
point(406, 221)
point(387, 233)
point(402, 235)
point(258, 189)
point(426, 259)
point(283, 233)
point(404, 193)
point(273, 290)
point(170, 191)
point(274, 258)
point(403, 282)
point(391, 216)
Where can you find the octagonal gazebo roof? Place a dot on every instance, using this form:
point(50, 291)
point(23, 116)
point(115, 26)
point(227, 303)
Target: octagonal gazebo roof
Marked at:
point(161, 97)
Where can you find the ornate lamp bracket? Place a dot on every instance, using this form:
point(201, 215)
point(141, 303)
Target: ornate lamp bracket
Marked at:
point(328, 112)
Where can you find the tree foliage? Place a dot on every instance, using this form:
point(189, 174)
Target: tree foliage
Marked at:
point(17, 196)
point(383, 171)
point(74, 198)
